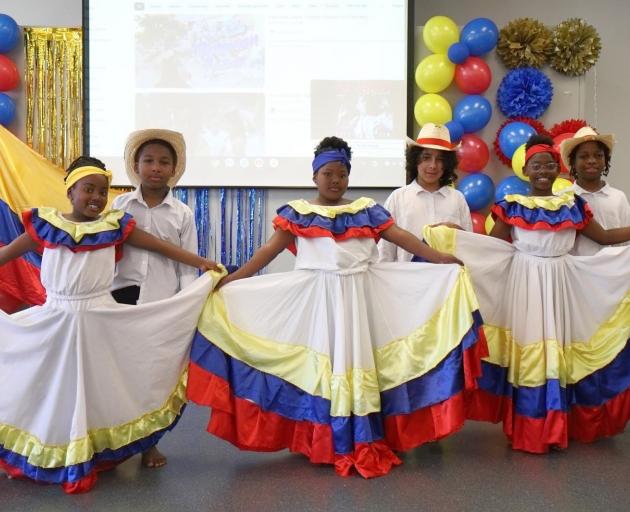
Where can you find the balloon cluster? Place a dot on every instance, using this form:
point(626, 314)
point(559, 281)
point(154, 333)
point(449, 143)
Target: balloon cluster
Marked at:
point(457, 57)
point(9, 76)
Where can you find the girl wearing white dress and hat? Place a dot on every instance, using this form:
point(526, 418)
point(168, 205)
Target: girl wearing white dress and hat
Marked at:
point(587, 154)
point(428, 198)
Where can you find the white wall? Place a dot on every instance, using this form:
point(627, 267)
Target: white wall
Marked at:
point(604, 90)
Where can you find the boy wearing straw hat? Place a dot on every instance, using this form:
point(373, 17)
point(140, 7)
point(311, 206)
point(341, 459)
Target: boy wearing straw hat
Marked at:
point(587, 155)
point(428, 198)
point(155, 160)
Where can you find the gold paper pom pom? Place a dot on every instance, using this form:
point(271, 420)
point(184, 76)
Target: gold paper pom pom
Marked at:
point(524, 42)
point(576, 47)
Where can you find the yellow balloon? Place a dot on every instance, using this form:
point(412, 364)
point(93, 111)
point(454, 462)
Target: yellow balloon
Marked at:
point(435, 73)
point(518, 162)
point(489, 223)
point(439, 33)
point(560, 184)
point(432, 108)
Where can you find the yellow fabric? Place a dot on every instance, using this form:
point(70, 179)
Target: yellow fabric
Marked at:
point(82, 172)
point(97, 440)
point(109, 221)
point(28, 180)
point(531, 365)
point(441, 238)
point(303, 207)
point(357, 391)
point(551, 203)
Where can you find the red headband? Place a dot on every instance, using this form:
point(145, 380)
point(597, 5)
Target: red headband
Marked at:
point(542, 148)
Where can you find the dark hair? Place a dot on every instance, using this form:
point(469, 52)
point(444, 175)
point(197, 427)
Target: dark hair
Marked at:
point(538, 139)
point(159, 142)
point(84, 161)
point(602, 146)
point(412, 159)
point(328, 143)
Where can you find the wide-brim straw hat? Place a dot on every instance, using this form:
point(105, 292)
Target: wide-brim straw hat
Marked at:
point(434, 136)
point(585, 134)
point(137, 138)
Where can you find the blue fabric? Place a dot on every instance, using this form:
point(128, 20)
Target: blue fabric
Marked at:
point(276, 395)
point(75, 472)
point(56, 236)
point(10, 228)
point(575, 214)
point(592, 391)
point(372, 217)
point(334, 155)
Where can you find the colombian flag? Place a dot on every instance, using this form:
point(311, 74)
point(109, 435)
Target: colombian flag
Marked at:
point(27, 180)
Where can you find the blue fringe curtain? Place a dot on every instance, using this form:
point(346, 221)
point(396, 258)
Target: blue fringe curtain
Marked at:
point(231, 222)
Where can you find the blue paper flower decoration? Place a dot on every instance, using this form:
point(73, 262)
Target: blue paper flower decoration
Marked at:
point(524, 92)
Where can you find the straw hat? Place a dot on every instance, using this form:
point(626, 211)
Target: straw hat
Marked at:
point(137, 138)
point(584, 134)
point(434, 136)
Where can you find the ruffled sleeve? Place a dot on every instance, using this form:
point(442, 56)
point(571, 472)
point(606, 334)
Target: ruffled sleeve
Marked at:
point(362, 218)
point(51, 230)
point(567, 211)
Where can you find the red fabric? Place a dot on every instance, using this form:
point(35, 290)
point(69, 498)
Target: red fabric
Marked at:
point(20, 281)
point(28, 226)
point(538, 435)
point(317, 232)
point(542, 148)
point(246, 426)
point(587, 424)
point(437, 142)
point(498, 212)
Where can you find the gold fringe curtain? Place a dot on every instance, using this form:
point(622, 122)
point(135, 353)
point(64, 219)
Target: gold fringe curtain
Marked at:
point(54, 92)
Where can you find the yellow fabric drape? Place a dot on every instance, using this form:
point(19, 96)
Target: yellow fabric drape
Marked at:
point(54, 92)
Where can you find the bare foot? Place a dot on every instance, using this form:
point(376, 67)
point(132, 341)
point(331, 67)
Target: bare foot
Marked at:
point(153, 458)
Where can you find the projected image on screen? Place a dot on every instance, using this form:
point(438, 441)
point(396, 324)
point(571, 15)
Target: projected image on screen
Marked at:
point(253, 86)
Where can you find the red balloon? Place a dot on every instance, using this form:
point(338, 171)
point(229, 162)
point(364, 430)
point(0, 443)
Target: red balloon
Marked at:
point(472, 153)
point(9, 76)
point(473, 76)
point(478, 222)
point(556, 144)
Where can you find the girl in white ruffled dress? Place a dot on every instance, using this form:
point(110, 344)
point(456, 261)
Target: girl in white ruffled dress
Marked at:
point(557, 325)
point(343, 359)
point(86, 382)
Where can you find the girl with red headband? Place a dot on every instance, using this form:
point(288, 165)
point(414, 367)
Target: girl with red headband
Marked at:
point(344, 359)
point(557, 325)
point(429, 197)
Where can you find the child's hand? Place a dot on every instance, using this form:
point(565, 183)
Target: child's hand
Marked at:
point(206, 265)
point(225, 280)
point(449, 259)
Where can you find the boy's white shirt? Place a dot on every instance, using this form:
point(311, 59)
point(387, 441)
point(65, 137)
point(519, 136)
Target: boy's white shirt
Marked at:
point(413, 207)
point(157, 276)
point(610, 208)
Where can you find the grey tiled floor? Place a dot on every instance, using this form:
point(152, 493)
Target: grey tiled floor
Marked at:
point(472, 470)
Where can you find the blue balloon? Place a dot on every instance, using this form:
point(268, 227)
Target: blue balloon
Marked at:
point(9, 33)
point(478, 190)
point(7, 109)
point(458, 53)
point(513, 135)
point(473, 112)
point(479, 35)
point(511, 185)
point(455, 130)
